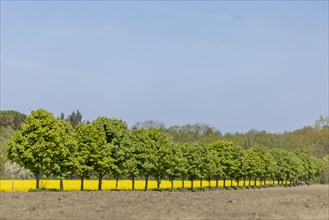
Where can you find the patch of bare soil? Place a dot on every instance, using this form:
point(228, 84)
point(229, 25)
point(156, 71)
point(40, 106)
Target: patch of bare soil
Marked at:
point(305, 202)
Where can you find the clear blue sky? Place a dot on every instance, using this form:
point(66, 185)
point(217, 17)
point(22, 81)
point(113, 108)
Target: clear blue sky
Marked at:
point(233, 65)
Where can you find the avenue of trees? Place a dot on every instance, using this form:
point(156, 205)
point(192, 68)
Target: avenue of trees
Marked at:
point(69, 148)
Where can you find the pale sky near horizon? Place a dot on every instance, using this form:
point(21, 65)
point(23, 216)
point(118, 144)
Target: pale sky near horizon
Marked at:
point(233, 65)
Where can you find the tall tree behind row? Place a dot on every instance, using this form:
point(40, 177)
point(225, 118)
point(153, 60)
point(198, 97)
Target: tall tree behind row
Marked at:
point(74, 118)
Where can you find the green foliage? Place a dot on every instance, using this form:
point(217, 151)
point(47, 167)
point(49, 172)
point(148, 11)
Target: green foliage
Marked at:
point(91, 153)
point(231, 157)
point(259, 163)
point(62, 165)
point(295, 170)
point(254, 166)
point(151, 149)
point(308, 163)
point(177, 164)
point(280, 156)
point(211, 163)
point(115, 133)
point(38, 144)
point(193, 154)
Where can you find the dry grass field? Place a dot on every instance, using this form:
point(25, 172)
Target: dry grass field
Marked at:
point(305, 202)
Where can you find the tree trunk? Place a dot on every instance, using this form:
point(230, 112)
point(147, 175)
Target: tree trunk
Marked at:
point(82, 182)
point(37, 177)
point(172, 183)
point(183, 183)
point(158, 183)
point(146, 183)
point(231, 182)
point(255, 183)
point(117, 182)
point(244, 181)
point(100, 179)
point(200, 183)
point(217, 182)
point(61, 185)
point(224, 182)
point(12, 184)
point(209, 182)
point(133, 183)
point(238, 182)
point(265, 181)
point(192, 184)
point(249, 181)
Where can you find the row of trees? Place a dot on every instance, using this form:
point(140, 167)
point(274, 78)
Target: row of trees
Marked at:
point(50, 146)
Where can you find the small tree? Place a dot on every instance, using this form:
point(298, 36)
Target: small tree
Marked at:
point(176, 163)
point(214, 151)
point(211, 165)
point(37, 144)
point(193, 153)
point(231, 158)
point(281, 158)
point(91, 153)
point(151, 148)
point(116, 134)
point(62, 165)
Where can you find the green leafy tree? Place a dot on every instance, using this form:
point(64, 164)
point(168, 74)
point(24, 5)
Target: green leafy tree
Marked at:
point(131, 165)
point(216, 168)
point(270, 166)
point(151, 149)
point(253, 164)
point(161, 146)
point(283, 170)
point(144, 153)
point(92, 153)
point(177, 164)
point(211, 165)
point(38, 144)
point(116, 134)
point(62, 165)
point(308, 163)
point(193, 153)
point(296, 169)
point(231, 157)
point(259, 164)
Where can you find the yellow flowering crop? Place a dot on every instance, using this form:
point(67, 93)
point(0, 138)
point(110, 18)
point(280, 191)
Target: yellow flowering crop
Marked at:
point(74, 185)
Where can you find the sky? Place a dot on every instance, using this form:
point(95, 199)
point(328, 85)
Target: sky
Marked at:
point(233, 65)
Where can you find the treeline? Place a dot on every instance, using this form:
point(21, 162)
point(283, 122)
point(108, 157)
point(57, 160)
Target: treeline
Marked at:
point(51, 147)
point(12, 119)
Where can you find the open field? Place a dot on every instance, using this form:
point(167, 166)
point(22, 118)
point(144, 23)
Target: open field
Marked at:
point(305, 202)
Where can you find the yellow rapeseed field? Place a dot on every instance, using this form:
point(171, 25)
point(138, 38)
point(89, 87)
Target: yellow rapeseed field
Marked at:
point(74, 185)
